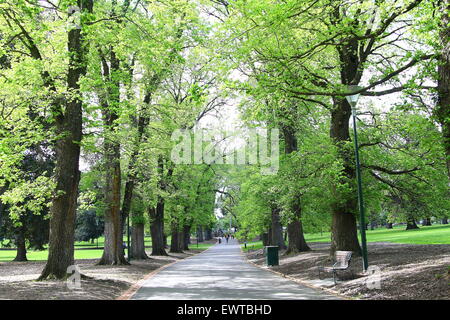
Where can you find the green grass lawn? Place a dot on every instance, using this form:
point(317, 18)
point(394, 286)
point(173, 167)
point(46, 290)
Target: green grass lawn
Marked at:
point(9, 255)
point(436, 234)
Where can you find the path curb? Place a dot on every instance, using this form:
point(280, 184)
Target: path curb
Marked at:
point(302, 282)
point(129, 293)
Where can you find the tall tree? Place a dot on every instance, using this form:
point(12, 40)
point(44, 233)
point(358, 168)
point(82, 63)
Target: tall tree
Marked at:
point(69, 123)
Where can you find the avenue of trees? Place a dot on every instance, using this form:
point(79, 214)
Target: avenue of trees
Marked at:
point(91, 92)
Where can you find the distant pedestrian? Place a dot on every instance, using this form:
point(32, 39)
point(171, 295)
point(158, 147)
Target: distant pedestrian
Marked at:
point(227, 237)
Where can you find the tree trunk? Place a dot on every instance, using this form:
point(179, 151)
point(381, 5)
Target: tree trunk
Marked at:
point(296, 238)
point(67, 150)
point(389, 225)
point(344, 206)
point(411, 224)
point(186, 237)
point(208, 234)
point(277, 230)
point(200, 234)
point(131, 177)
point(156, 222)
point(344, 230)
point(444, 221)
point(426, 222)
point(175, 241)
point(21, 247)
point(180, 238)
point(270, 241)
point(137, 242)
point(113, 252)
point(443, 105)
point(265, 239)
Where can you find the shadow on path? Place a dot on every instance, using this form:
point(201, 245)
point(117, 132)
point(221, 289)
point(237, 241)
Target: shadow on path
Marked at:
point(221, 273)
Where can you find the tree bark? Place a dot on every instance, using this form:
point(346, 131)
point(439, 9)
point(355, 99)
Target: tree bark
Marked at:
point(277, 230)
point(296, 238)
point(175, 244)
point(265, 239)
point(444, 221)
point(113, 252)
point(156, 231)
point(343, 231)
point(200, 234)
point(426, 222)
point(208, 234)
point(137, 242)
point(186, 236)
point(443, 105)
point(67, 150)
point(344, 206)
point(21, 254)
point(411, 224)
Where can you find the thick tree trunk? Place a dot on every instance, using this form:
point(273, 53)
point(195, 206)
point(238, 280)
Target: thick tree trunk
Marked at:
point(137, 242)
point(411, 223)
point(156, 223)
point(343, 231)
point(444, 221)
point(208, 234)
point(426, 222)
point(277, 230)
point(200, 234)
point(270, 241)
point(21, 254)
point(113, 253)
point(443, 105)
point(296, 238)
point(344, 206)
point(180, 238)
point(265, 239)
point(186, 237)
point(175, 244)
point(67, 175)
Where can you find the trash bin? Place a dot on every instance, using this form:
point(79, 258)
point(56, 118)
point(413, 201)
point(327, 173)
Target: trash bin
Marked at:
point(271, 255)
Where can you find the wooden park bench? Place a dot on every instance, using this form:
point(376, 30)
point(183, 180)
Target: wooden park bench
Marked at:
point(342, 263)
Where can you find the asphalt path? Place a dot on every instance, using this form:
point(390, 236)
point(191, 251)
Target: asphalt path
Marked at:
point(222, 273)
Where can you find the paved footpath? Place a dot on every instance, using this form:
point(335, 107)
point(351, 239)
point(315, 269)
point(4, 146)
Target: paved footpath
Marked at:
point(221, 273)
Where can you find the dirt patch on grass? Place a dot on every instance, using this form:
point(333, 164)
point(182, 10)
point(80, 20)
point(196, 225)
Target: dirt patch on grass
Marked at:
point(406, 271)
point(18, 279)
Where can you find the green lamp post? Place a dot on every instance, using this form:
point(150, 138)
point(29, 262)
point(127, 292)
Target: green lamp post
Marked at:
point(353, 100)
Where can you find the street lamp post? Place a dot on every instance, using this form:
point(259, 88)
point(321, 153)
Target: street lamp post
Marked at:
point(353, 100)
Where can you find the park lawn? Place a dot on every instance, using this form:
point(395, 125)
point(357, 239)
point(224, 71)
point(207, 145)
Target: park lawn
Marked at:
point(9, 255)
point(101, 240)
point(436, 234)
